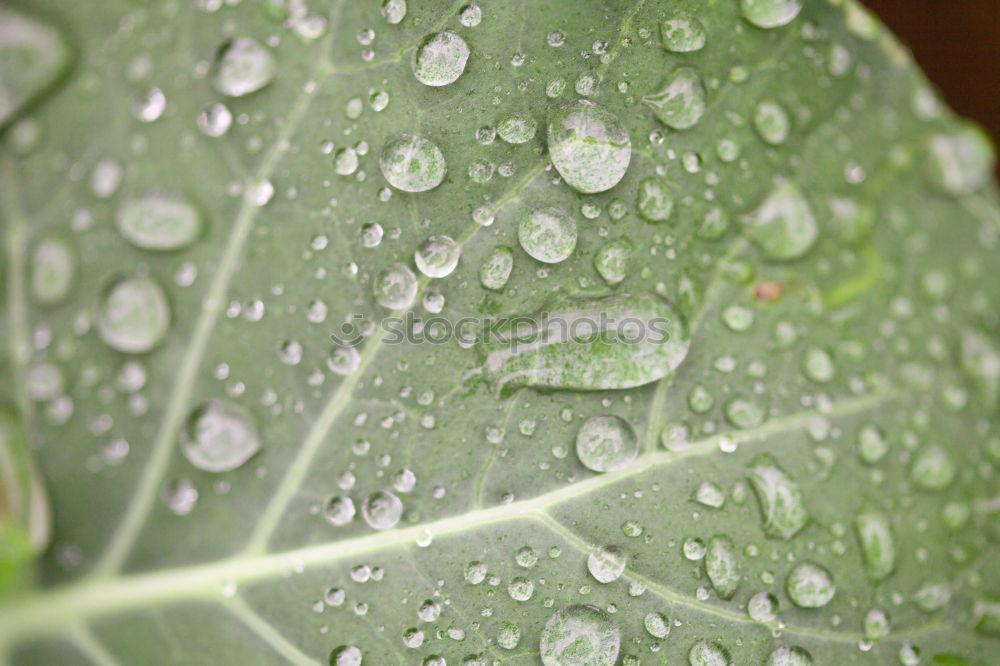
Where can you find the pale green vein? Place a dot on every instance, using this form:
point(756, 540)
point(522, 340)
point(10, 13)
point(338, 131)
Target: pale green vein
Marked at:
point(51, 611)
point(147, 486)
point(266, 632)
point(341, 398)
point(721, 612)
point(91, 648)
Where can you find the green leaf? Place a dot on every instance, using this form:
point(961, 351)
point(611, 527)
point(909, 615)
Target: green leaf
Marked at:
point(217, 225)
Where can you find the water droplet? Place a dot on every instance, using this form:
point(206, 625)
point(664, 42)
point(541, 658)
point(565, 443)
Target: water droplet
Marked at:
point(440, 59)
point(782, 505)
point(588, 344)
point(607, 563)
point(876, 624)
point(606, 444)
point(345, 161)
point(580, 635)
point(737, 318)
point(548, 234)
point(496, 269)
point(180, 496)
point(149, 106)
point(680, 103)
point(932, 597)
point(339, 510)
point(346, 655)
point(437, 256)
point(790, 656)
point(988, 617)
point(589, 147)
point(344, 360)
point(53, 269)
point(722, 566)
point(877, 545)
point(872, 446)
point(382, 510)
point(704, 653)
point(744, 413)
point(763, 607)
point(32, 55)
point(611, 260)
point(933, 469)
point(412, 163)
point(771, 122)
point(508, 636)
point(470, 15)
point(810, 586)
point(219, 436)
point(215, 120)
point(517, 128)
point(770, 13)
point(105, 178)
point(960, 163)
point(396, 287)
point(133, 315)
point(817, 365)
point(682, 33)
point(655, 202)
point(710, 494)
point(784, 225)
point(394, 11)
point(244, 66)
point(475, 573)
point(980, 359)
point(159, 221)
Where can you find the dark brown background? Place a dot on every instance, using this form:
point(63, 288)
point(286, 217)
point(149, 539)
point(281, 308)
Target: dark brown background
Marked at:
point(957, 43)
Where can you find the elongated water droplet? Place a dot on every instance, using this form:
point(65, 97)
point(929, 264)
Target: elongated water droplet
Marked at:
point(682, 33)
point(781, 503)
point(244, 66)
point(32, 55)
point(588, 344)
point(133, 315)
point(496, 269)
point(548, 234)
point(961, 162)
point(437, 256)
point(877, 545)
point(655, 202)
point(790, 656)
point(810, 586)
point(607, 563)
point(412, 163)
point(611, 260)
point(657, 624)
point(159, 221)
point(606, 444)
point(980, 359)
point(589, 147)
point(771, 122)
point(53, 271)
point(219, 436)
point(722, 566)
point(770, 13)
point(784, 225)
point(580, 635)
point(440, 59)
point(704, 653)
point(396, 287)
point(680, 102)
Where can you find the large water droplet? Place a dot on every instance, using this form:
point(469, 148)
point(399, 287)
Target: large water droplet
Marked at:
point(244, 66)
point(440, 59)
point(133, 315)
point(770, 13)
point(159, 221)
point(339, 510)
point(394, 11)
point(548, 234)
point(580, 635)
point(437, 256)
point(32, 55)
point(396, 287)
point(607, 563)
point(810, 586)
point(722, 566)
point(412, 163)
point(496, 269)
point(606, 444)
point(382, 510)
point(781, 503)
point(589, 146)
point(219, 436)
point(682, 33)
point(790, 656)
point(680, 103)
point(704, 653)
point(784, 225)
point(877, 546)
point(588, 344)
point(53, 270)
